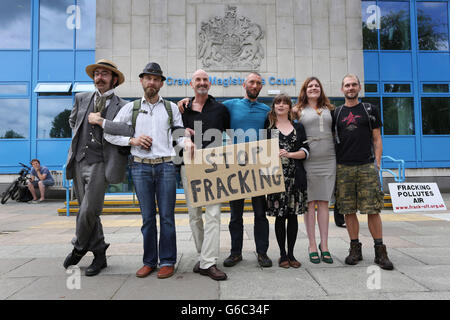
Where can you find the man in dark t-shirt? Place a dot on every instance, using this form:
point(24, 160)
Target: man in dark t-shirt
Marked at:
point(357, 129)
point(206, 120)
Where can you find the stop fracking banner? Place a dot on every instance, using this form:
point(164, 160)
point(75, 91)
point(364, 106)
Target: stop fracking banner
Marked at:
point(232, 172)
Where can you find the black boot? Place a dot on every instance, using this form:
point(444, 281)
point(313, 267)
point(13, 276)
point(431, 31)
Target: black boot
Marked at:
point(381, 257)
point(97, 264)
point(355, 254)
point(73, 258)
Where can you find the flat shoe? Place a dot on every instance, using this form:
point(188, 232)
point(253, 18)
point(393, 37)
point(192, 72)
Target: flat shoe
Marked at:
point(294, 263)
point(283, 264)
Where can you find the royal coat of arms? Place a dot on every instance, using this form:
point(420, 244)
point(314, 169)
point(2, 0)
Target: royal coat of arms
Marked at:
point(230, 42)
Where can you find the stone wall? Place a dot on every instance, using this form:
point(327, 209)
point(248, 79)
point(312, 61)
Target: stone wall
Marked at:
point(300, 38)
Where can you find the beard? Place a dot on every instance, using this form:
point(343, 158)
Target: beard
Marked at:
point(252, 94)
point(150, 92)
point(202, 90)
point(351, 96)
point(109, 85)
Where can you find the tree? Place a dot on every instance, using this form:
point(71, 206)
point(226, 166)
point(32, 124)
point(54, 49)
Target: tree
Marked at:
point(60, 125)
point(429, 36)
point(11, 134)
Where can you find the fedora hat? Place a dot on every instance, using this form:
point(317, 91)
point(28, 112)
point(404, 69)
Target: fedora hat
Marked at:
point(154, 69)
point(106, 64)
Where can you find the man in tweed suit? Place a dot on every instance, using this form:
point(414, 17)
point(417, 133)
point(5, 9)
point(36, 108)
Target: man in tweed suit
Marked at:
point(93, 163)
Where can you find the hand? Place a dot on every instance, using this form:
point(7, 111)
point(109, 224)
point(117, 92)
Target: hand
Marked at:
point(143, 141)
point(182, 104)
point(284, 153)
point(95, 118)
point(189, 148)
point(189, 132)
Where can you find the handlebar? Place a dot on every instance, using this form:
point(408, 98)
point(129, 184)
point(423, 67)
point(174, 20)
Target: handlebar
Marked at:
point(24, 165)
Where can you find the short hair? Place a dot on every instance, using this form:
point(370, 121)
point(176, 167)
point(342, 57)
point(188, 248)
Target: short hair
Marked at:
point(350, 75)
point(33, 160)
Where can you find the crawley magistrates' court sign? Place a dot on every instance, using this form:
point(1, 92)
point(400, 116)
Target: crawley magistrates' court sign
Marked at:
point(232, 172)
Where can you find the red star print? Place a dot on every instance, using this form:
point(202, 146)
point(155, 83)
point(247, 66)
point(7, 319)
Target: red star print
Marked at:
point(350, 119)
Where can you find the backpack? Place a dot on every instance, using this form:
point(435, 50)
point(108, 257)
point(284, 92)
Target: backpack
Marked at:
point(136, 109)
point(24, 194)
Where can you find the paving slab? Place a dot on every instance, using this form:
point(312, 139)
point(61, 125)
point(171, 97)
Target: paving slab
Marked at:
point(270, 283)
point(435, 278)
point(181, 286)
point(7, 265)
point(355, 279)
point(56, 288)
point(430, 256)
point(8, 286)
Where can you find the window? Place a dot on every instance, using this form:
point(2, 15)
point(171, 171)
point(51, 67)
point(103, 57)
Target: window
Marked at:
point(398, 115)
point(370, 87)
point(85, 34)
point(15, 119)
point(397, 88)
point(55, 24)
point(370, 24)
point(436, 115)
point(389, 19)
point(395, 25)
point(13, 89)
point(53, 118)
point(436, 88)
point(15, 24)
point(432, 24)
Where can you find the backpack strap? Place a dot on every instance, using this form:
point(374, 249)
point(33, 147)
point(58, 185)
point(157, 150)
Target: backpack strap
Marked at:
point(136, 108)
point(169, 112)
point(367, 108)
point(337, 113)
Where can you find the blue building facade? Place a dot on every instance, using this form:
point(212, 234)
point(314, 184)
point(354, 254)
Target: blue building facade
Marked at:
point(46, 44)
point(44, 48)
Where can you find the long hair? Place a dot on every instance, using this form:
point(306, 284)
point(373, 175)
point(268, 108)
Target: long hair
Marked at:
point(302, 101)
point(272, 116)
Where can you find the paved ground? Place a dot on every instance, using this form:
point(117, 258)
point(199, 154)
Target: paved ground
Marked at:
point(34, 242)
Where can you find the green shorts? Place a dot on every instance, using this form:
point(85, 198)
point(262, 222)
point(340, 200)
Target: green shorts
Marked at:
point(358, 188)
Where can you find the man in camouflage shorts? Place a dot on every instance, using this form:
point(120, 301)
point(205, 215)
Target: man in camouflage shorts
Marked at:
point(357, 128)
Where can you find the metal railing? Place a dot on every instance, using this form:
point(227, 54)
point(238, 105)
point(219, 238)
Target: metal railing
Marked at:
point(400, 177)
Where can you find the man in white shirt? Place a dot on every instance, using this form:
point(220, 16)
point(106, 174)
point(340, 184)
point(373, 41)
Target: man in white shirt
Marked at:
point(153, 171)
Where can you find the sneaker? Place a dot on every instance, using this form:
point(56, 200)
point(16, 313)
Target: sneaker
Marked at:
point(355, 254)
point(381, 257)
point(264, 261)
point(232, 260)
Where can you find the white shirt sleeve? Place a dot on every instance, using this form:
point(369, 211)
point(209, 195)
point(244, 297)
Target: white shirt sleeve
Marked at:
point(124, 115)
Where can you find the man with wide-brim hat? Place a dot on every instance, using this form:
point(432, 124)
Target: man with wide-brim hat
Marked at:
point(94, 163)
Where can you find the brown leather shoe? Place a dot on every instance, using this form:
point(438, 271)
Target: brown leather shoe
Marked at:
point(283, 264)
point(214, 273)
point(144, 271)
point(166, 272)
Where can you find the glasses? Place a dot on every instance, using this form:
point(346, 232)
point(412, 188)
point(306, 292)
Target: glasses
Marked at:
point(102, 73)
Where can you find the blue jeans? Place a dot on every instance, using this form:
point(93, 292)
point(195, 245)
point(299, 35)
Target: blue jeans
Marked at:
point(157, 182)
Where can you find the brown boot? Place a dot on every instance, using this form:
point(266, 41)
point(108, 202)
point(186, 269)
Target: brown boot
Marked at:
point(355, 254)
point(381, 257)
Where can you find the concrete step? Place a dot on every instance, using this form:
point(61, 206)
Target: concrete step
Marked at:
point(125, 205)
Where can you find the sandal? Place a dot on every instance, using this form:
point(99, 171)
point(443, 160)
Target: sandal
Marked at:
point(324, 255)
point(314, 257)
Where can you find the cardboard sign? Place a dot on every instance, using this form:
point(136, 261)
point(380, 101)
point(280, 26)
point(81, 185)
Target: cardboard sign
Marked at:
point(232, 172)
point(416, 197)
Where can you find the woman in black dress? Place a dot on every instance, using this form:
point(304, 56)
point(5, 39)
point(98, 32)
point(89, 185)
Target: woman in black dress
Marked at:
point(287, 205)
